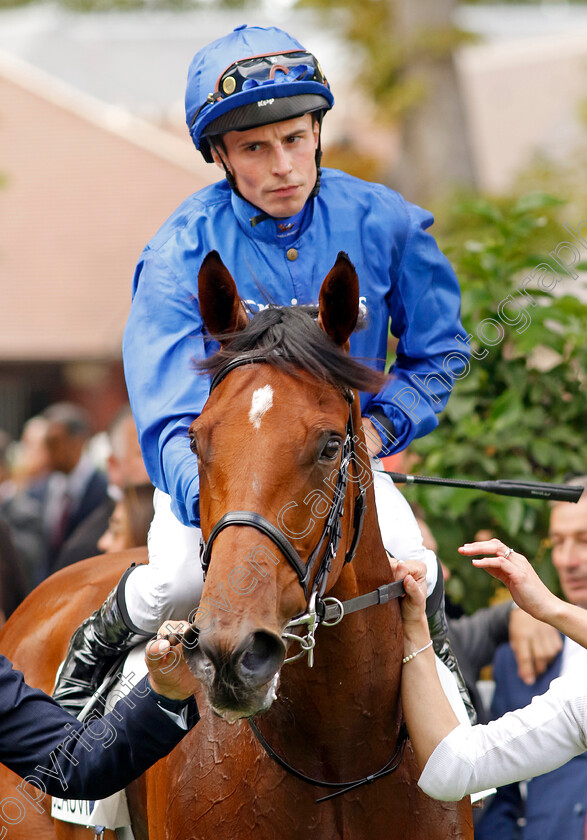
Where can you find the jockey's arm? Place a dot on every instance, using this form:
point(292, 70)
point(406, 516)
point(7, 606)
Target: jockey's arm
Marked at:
point(432, 349)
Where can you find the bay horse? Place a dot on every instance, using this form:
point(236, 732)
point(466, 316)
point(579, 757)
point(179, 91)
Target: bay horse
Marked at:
point(296, 571)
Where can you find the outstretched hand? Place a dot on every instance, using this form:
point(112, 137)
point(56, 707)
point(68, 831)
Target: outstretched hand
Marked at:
point(514, 570)
point(169, 674)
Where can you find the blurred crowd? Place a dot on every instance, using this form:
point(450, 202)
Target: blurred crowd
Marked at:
point(67, 493)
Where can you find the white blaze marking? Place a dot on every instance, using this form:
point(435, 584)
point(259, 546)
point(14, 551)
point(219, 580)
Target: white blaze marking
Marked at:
point(260, 405)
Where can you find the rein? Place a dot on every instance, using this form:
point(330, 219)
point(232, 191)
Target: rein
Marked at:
point(343, 787)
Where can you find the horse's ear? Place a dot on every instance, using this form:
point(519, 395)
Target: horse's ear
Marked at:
point(339, 300)
point(220, 305)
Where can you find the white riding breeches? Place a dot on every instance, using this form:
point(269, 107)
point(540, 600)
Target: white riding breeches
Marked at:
point(170, 586)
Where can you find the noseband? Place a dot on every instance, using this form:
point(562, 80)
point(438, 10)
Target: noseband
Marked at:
point(328, 543)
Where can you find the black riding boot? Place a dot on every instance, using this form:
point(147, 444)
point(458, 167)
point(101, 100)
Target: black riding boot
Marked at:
point(438, 626)
point(93, 650)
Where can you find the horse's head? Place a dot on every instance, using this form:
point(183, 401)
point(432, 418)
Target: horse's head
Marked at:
point(274, 460)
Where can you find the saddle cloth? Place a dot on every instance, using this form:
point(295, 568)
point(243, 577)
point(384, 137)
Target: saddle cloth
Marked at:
point(112, 812)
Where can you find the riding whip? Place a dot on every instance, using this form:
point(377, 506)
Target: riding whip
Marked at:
point(502, 487)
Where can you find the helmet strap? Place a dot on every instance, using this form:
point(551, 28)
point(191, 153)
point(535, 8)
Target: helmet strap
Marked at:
point(229, 176)
point(316, 188)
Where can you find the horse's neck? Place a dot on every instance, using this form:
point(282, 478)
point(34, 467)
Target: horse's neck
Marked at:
point(353, 688)
point(370, 567)
point(372, 636)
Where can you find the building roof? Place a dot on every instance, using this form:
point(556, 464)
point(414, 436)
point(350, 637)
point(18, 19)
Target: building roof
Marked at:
point(95, 156)
point(138, 58)
point(85, 186)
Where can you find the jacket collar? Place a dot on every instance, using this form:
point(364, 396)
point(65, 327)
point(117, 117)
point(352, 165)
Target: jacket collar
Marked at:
point(259, 225)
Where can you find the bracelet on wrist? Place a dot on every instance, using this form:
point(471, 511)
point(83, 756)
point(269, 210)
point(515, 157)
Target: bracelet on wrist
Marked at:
point(415, 653)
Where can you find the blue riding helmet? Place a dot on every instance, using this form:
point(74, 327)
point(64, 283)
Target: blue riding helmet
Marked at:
point(253, 76)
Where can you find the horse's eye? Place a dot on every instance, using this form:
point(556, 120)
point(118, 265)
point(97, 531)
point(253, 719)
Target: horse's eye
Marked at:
point(193, 444)
point(331, 449)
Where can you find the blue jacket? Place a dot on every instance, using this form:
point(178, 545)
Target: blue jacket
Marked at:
point(52, 750)
point(556, 803)
point(403, 277)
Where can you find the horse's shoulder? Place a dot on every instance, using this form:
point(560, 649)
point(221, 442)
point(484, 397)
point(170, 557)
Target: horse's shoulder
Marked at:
point(36, 635)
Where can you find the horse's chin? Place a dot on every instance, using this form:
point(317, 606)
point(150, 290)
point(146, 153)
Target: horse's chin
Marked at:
point(256, 703)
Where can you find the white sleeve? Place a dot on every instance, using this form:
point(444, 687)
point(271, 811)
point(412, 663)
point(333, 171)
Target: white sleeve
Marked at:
point(179, 718)
point(400, 532)
point(519, 745)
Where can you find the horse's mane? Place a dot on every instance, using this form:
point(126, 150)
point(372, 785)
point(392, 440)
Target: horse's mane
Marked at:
point(290, 339)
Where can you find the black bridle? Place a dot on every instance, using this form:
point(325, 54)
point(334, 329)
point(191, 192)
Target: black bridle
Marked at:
point(319, 610)
point(327, 546)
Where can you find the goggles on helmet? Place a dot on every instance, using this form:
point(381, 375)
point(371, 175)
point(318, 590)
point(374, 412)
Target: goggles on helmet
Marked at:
point(248, 73)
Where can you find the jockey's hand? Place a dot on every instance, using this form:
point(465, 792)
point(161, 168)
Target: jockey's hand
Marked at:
point(372, 438)
point(534, 644)
point(169, 674)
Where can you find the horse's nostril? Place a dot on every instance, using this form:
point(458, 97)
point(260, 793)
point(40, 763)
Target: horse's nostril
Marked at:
point(261, 658)
point(190, 638)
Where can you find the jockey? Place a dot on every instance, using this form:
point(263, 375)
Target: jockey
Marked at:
point(255, 100)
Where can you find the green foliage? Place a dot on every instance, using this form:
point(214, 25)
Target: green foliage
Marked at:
point(383, 57)
point(521, 410)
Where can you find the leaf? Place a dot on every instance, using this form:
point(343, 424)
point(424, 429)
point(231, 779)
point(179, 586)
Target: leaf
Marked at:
point(570, 305)
point(542, 450)
point(459, 406)
point(506, 411)
point(481, 208)
point(535, 201)
point(514, 515)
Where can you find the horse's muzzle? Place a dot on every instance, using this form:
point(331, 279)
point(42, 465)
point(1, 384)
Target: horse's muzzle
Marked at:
point(239, 682)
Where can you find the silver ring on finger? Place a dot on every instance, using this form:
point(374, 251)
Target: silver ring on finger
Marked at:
point(508, 551)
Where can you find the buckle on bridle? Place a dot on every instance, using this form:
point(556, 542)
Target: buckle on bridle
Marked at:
point(327, 611)
point(332, 612)
point(310, 620)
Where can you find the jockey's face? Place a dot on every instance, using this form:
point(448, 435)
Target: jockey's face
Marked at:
point(568, 533)
point(274, 165)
